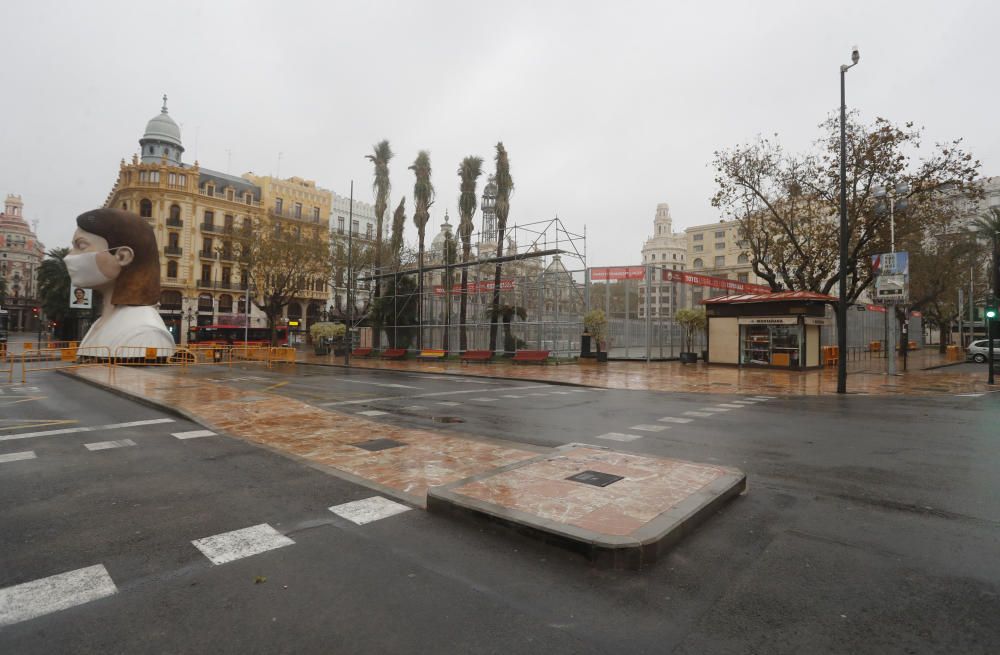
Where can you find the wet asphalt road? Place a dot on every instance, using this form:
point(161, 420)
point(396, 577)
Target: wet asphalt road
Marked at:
point(872, 525)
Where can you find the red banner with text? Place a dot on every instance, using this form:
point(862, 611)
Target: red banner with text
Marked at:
point(486, 286)
point(714, 282)
point(614, 273)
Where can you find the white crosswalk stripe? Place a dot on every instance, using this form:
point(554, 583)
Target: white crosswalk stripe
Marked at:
point(30, 600)
point(618, 436)
point(96, 428)
point(368, 510)
point(17, 457)
point(674, 419)
point(714, 410)
point(372, 412)
point(108, 445)
point(650, 428)
point(237, 544)
point(730, 406)
point(193, 434)
point(698, 414)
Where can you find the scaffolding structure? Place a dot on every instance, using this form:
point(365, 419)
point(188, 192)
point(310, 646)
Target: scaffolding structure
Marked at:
point(542, 293)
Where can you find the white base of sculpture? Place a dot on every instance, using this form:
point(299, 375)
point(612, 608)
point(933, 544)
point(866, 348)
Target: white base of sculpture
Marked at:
point(126, 332)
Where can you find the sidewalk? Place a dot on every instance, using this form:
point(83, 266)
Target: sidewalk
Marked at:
point(865, 377)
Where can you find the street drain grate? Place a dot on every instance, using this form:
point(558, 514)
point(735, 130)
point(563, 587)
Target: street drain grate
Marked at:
point(595, 478)
point(378, 444)
point(448, 419)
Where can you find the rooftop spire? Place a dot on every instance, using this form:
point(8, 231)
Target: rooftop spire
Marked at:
point(164, 109)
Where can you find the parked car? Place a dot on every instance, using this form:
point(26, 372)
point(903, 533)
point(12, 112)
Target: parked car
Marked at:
point(978, 351)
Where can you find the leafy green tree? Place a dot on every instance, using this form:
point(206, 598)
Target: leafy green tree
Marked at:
point(469, 171)
point(396, 311)
point(398, 224)
point(505, 185)
point(381, 154)
point(506, 314)
point(423, 198)
point(53, 291)
point(3, 289)
point(450, 258)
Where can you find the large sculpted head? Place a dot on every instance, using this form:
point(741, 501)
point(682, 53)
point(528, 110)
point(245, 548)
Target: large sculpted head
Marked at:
point(115, 251)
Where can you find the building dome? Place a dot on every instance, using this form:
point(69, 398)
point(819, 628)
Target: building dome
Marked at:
point(162, 138)
point(437, 245)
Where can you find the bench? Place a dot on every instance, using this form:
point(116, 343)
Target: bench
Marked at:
point(531, 356)
point(393, 353)
point(432, 353)
point(477, 356)
point(361, 352)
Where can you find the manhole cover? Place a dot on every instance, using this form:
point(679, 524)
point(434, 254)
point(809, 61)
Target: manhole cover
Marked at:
point(448, 419)
point(379, 444)
point(595, 478)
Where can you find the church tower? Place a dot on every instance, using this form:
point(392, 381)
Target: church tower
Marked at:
point(162, 139)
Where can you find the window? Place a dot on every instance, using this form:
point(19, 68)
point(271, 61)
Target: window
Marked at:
point(209, 219)
point(340, 224)
point(244, 278)
point(172, 268)
point(230, 194)
point(175, 213)
point(698, 237)
point(170, 300)
point(369, 231)
point(145, 208)
point(675, 256)
point(354, 227)
point(181, 180)
point(743, 277)
point(228, 221)
point(225, 304)
point(743, 259)
point(173, 240)
point(172, 179)
point(699, 248)
point(278, 202)
point(227, 274)
point(205, 302)
point(721, 234)
point(207, 245)
point(698, 263)
point(206, 276)
point(743, 243)
point(720, 261)
point(125, 206)
point(298, 210)
point(154, 176)
point(315, 214)
point(720, 245)
point(248, 198)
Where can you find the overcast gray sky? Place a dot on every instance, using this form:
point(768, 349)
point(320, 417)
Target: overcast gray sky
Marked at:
point(606, 108)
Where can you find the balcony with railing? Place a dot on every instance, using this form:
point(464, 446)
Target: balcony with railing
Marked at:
point(212, 227)
point(176, 251)
point(175, 222)
point(224, 196)
point(227, 255)
point(207, 254)
point(290, 214)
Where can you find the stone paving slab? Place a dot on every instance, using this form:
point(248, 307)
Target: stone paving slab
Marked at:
point(626, 524)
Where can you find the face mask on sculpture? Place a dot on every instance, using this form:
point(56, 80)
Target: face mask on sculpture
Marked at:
point(84, 270)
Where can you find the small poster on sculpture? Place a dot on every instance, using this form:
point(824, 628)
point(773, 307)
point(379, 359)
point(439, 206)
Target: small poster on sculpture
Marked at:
point(80, 298)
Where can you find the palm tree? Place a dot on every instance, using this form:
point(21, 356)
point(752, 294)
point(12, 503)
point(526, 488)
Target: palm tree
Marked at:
point(381, 154)
point(398, 223)
point(505, 185)
point(469, 171)
point(987, 227)
point(450, 256)
point(54, 288)
point(506, 313)
point(423, 198)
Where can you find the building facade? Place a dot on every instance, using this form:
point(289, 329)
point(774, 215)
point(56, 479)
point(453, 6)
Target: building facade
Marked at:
point(196, 213)
point(716, 249)
point(360, 218)
point(20, 256)
point(666, 249)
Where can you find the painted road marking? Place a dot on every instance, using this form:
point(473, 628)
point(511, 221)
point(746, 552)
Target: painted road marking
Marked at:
point(448, 403)
point(762, 398)
point(619, 436)
point(561, 393)
point(56, 592)
point(745, 402)
point(650, 428)
point(368, 510)
point(108, 445)
point(193, 434)
point(96, 428)
point(511, 396)
point(484, 400)
point(674, 419)
point(537, 394)
point(433, 394)
point(730, 406)
point(23, 424)
point(714, 410)
point(378, 384)
point(413, 408)
point(237, 544)
point(16, 457)
point(373, 412)
point(969, 395)
point(698, 414)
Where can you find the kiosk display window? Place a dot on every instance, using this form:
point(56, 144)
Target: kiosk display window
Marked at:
point(771, 345)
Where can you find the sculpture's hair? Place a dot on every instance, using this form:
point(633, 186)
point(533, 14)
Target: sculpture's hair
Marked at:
point(139, 282)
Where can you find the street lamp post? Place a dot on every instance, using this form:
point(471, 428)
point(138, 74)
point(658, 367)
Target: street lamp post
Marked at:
point(842, 305)
point(350, 278)
point(897, 200)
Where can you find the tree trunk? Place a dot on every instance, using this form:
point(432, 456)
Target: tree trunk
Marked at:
point(420, 295)
point(463, 337)
point(508, 338)
point(496, 292)
point(447, 304)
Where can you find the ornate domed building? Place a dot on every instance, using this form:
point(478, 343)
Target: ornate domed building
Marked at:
point(20, 256)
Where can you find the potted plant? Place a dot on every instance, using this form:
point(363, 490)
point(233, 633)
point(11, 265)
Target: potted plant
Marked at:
point(693, 322)
point(596, 323)
point(323, 335)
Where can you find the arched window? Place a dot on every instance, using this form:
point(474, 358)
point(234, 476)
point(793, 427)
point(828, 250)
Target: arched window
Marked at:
point(145, 208)
point(294, 310)
point(225, 304)
point(205, 302)
point(170, 300)
point(125, 206)
point(175, 213)
point(172, 268)
point(698, 263)
point(743, 259)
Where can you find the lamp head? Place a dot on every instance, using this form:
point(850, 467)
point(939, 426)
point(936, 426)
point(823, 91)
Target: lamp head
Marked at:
point(855, 55)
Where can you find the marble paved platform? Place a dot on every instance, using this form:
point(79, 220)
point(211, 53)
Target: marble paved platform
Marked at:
point(648, 503)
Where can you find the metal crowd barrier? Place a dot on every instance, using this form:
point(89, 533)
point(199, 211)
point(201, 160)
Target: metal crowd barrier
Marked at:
point(51, 359)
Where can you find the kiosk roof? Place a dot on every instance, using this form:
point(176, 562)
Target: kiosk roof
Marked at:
point(780, 296)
